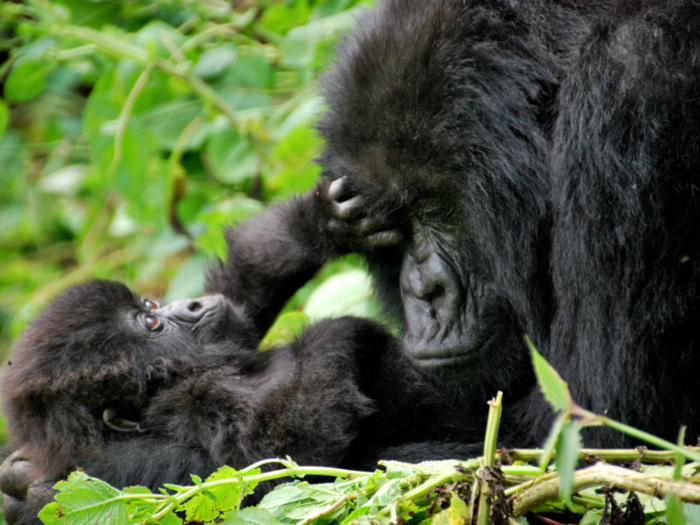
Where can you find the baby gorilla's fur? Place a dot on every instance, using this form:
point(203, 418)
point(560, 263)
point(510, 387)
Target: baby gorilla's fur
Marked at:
point(137, 393)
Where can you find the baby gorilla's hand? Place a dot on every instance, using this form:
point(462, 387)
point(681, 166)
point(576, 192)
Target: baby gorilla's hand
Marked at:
point(24, 495)
point(353, 226)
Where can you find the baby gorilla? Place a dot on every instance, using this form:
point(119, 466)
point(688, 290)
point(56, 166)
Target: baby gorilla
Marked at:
point(134, 392)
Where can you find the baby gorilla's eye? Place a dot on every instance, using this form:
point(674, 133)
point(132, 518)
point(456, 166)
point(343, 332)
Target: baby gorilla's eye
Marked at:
point(152, 323)
point(151, 305)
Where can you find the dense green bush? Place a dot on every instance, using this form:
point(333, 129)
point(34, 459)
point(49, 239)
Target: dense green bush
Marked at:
point(132, 132)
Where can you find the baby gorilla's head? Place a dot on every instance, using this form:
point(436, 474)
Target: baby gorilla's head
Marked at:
point(99, 350)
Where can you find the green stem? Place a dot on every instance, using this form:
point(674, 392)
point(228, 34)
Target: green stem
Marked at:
point(490, 442)
point(590, 419)
point(126, 115)
point(177, 499)
point(610, 455)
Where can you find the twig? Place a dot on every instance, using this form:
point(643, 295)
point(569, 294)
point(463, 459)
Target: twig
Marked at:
point(605, 475)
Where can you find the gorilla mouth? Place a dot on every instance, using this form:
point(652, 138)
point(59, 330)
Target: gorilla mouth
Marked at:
point(450, 351)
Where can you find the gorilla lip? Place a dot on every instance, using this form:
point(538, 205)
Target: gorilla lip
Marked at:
point(446, 355)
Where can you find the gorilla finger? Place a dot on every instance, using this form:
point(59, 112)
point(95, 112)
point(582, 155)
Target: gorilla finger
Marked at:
point(40, 493)
point(384, 239)
point(15, 476)
point(349, 208)
point(339, 189)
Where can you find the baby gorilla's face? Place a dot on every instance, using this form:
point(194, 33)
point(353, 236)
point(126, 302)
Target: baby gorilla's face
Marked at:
point(191, 322)
point(100, 324)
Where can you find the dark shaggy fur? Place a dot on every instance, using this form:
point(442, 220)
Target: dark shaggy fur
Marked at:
point(541, 160)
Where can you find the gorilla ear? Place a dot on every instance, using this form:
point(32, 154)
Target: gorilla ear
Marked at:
point(118, 424)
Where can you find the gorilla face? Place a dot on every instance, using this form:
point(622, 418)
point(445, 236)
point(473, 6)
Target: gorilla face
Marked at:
point(450, 305)
point(440, 183)
point(102, 329)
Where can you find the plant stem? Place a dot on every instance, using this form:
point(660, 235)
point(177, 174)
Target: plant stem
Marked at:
point(492, 425)
point(608, 475)
point(177, 499)
point(589, 418)
point(632, 454)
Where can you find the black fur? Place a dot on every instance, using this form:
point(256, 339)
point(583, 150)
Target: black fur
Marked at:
point(541, 160)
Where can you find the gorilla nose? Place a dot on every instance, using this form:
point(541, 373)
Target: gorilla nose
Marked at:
point(192, 310)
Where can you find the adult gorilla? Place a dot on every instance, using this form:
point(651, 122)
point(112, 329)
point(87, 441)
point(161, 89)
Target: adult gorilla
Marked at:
point(512, 167)
point(542, 160)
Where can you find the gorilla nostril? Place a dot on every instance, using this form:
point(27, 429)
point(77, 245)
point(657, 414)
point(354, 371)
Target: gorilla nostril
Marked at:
point(194, 306)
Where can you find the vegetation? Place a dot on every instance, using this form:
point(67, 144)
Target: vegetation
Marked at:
point(132, 132)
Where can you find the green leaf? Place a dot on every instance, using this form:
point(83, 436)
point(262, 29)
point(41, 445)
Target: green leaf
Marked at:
point(249, 516)
point(345, 293)
point(386, 495)
point(692, 513)
point(26, 80)
point(456, 514)
point(675, 514)
point(568, 446)
point(283, 498)
point(552, 440)
point(285, 329)
point(215, 62)
point(231, 156)
point(82, 499)
point(362, 511)
point(211, 502)
point(552, 385)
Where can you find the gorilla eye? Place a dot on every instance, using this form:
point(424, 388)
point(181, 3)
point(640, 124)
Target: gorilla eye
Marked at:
point(151, 305)
point(152, 323)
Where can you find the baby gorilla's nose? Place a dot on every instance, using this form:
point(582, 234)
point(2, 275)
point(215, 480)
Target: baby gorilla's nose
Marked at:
point(192, 310)
point(194, 306)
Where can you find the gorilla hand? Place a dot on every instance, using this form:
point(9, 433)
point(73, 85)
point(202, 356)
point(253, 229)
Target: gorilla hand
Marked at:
point(351, 224)
point(24, 495)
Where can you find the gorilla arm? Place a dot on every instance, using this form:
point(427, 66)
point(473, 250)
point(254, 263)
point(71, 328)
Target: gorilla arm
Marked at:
point(276, 253)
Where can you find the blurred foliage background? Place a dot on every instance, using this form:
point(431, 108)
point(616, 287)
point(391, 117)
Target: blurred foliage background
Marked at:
point(132, 132)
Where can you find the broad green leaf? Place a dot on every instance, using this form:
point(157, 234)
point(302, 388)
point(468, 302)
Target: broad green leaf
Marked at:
point(284, 330)
point(675, 514)
point(346, 293)
point(213, 63)
point(362, 511)
point(692, 514)
point(386, 495)
point(591, 517)
point(283, 498)
point(167, 122)
point(82, 499)
point(249, 516)
point(211, 502)
point(250, 69)
point(293, 161)
point(226, 214)
point(26, 80)
point(231, 156)
point(568, 446)
point(552, 385)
